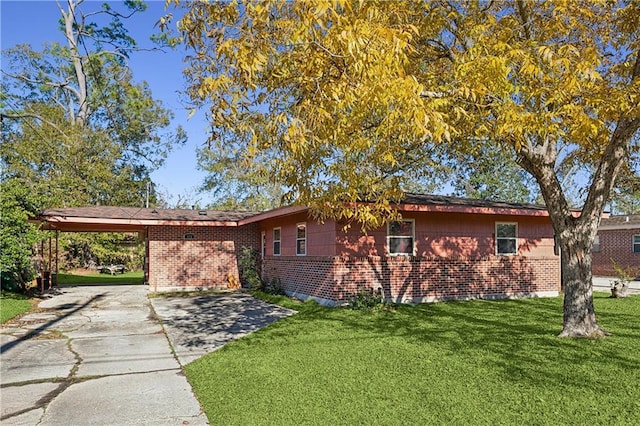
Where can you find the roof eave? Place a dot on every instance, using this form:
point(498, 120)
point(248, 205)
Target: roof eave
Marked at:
point(279, 212)
point(69, 221)
point(623, 226)
point(473, 210)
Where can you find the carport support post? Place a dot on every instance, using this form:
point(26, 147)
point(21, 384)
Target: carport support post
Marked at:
point(41, 266)
point(50, 262)
point(57, 257)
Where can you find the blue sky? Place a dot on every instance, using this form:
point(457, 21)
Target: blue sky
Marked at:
point(36, 22)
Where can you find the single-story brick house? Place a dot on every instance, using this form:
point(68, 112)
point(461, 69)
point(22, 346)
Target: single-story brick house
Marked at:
point(618, 241)
point(445, 248)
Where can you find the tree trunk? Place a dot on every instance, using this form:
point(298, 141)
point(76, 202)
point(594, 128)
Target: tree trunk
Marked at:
point(579, 318)
point(73, 39)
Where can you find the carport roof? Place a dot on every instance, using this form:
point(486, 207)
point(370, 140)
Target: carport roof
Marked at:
point(108, 218)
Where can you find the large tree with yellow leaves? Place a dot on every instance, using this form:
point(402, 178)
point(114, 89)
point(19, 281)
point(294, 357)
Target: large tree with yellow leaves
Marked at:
point(351, 96)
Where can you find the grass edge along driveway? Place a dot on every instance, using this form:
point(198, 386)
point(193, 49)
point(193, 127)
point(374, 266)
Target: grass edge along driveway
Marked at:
point(12, 305)
point(479, 362)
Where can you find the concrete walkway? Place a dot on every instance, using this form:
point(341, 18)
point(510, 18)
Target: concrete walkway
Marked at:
point(97, 355)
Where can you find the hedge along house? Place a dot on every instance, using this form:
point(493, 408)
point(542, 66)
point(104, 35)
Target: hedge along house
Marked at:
point(444, 248)
point(617, 243)
point(185, 249)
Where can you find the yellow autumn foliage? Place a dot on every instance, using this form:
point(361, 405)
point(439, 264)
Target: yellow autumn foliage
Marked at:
point(352, 92)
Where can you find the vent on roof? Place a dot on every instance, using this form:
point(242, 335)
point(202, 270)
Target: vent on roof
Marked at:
point(202, 212)
point(154, 211)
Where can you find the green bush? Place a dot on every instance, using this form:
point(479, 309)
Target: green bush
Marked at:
point(274, 287)
point(366, 299)
point(17, 235)
point(249, 269)
point(86, 250)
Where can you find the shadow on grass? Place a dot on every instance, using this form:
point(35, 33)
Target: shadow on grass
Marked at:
point(518, 338)
point(129, 278)
point(9, 295)
point(73, 308)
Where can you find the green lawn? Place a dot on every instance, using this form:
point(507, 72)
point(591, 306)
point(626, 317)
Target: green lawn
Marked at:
point(468, 363)
point(12, 304)
point(133, 277)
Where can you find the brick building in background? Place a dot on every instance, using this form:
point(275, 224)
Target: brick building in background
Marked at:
point(445, 248)
point(617, 243)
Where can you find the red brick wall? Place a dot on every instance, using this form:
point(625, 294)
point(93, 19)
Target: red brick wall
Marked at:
point(617, 245)
point(436, 235)
point(321, 237)
point(205, 261)
point(453, 234)
point(416, 279)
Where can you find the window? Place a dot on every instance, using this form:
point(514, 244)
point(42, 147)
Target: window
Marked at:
point(301, 239)
point(276, 241)
point(636, 243)
point(595, 248)
point(400, 236)
point(189, 236)
point(263, 246)
point(506, 238)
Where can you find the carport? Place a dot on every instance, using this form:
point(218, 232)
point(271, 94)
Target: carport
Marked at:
point(92, 219)
point(184, 249)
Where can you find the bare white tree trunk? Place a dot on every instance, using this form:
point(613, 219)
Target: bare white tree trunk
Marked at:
point(73, 39)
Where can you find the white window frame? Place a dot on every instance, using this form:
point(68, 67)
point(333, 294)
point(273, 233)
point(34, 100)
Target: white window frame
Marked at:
point(517, 248)
point(595, 248)
point(412, 238)
point(263, 244)
point(635, 243)
point(279, 241)
point(298, 239)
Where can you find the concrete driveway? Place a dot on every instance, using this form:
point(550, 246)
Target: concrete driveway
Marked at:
point(98, 355)
point(199, 325)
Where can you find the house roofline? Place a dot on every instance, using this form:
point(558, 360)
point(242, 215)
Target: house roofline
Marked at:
point(76, 223)
point(511, 211)
point(514, 211)
point(619, 227)
point(279, 212)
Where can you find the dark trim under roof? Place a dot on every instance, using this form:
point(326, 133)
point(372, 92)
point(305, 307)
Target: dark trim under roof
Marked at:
point(443, 200)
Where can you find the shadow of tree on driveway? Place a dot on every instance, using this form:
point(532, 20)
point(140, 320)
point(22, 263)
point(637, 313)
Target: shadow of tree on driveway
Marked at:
point(208, 322)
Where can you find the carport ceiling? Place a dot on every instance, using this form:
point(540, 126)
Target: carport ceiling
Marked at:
point(131, 219)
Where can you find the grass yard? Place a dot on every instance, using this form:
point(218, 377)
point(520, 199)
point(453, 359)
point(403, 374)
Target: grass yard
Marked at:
point(132, 277)
point(468, 363)
point(12, 305)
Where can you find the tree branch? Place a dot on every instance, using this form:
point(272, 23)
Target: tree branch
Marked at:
point(615, 152)
point(62, 85)
point(37, 117)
